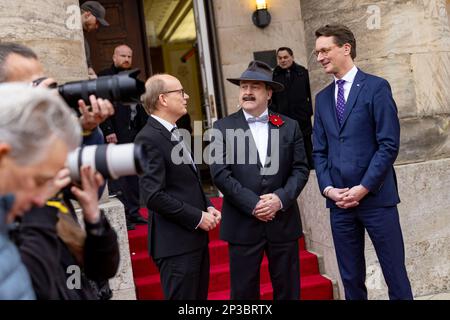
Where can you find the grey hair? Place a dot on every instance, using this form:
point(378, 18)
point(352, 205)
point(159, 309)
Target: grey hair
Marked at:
point(31, 119)
point(8, 48)
point(154, 86)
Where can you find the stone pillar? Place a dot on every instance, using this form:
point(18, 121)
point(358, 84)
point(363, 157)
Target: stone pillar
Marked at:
point(408, 43)
point(239, 37)
point(52, 29)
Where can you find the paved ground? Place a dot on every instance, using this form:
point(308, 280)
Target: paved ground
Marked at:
point(439, 296)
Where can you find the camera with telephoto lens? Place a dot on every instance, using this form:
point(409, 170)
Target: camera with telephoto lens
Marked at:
point(111, 160)
point(122, 87)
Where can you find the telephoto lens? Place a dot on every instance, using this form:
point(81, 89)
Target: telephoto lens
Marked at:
point(111, 160)
point(122, 87)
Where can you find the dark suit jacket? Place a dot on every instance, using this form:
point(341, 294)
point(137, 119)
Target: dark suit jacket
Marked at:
point(242, 184)
point(120, 123)
point(173, 194)
point(364, 148)
point(295, 100)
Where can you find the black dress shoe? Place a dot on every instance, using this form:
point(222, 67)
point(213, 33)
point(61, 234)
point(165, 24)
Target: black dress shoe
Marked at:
point(138, 220)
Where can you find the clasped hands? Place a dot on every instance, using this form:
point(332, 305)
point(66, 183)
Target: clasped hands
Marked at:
point(267, 207)
point(210, 219)
point(346, 198)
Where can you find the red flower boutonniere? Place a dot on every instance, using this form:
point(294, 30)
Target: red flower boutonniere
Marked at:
point(276, 120)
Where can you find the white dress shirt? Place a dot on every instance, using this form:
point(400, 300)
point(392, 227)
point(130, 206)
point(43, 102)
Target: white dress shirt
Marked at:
point(260, 133)
point(165, 123)
point(349, 78)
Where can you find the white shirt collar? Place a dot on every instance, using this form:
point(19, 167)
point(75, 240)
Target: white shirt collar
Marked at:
point(349, 76)
point(165, 123)
point(248, 115)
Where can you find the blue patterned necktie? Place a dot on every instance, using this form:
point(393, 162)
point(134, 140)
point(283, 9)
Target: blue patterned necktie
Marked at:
point(340, 102)
point(263, 119)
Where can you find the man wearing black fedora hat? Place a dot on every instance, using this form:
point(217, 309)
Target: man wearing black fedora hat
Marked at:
point(260, 212)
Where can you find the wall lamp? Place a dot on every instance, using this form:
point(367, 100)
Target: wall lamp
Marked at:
point(261, 17)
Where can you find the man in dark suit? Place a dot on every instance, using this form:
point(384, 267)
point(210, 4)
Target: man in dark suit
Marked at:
point(260, 177)
point(122, 127)
point(180, 215)
point(295, 100)
point(356, 141)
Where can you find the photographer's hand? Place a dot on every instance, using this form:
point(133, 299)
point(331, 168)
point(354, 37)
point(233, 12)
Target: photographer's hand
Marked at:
point(61, 180)
point(101, 109)
point(87, 196)
point(111, 138)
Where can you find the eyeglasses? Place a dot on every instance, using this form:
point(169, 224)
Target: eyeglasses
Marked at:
point(323, 51)
point(183, 93)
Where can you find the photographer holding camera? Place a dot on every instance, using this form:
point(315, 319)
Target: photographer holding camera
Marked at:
point(19, 63)
point(49, 238)
point(27, 167)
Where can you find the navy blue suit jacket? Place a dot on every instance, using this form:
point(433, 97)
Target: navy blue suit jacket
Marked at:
point(363, 149)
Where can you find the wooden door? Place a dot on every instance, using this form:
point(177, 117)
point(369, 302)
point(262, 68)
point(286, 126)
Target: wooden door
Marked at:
point(126, 26)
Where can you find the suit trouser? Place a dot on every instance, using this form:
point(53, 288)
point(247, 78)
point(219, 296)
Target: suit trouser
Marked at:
point(383, 227)
point(129, 195)
point(186, 276)
point(284, 269)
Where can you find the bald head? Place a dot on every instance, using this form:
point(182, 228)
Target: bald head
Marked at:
point(164, 96)
point(154, 86)
point(123, 57)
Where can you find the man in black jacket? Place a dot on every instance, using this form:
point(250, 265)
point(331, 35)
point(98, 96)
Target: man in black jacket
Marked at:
point(260, 175)
point(123, 127)
point(180, 215)
point(295, 100)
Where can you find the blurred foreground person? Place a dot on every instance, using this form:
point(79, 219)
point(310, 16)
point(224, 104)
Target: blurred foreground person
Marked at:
point(28, 167)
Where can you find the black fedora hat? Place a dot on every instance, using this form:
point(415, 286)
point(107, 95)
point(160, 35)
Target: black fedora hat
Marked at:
point(258, 71)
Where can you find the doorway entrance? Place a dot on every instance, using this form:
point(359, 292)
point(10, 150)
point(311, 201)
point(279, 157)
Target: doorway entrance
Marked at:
point(178, 36)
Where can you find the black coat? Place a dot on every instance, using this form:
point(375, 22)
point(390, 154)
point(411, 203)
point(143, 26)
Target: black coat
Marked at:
point(295, 100)
point(120, 123)
point(47, 257)
point(243, 183)
point(173, 194)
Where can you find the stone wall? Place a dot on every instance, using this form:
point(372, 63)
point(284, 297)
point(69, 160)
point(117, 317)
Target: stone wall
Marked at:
point(424, 216)
point(408, 43)
point(52, 29)
point(238, 37)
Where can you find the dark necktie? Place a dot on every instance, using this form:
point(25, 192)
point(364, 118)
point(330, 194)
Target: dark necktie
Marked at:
point(340, 102)
point(263, 119)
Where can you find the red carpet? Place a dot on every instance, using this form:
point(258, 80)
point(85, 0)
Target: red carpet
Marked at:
point(146, 276)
